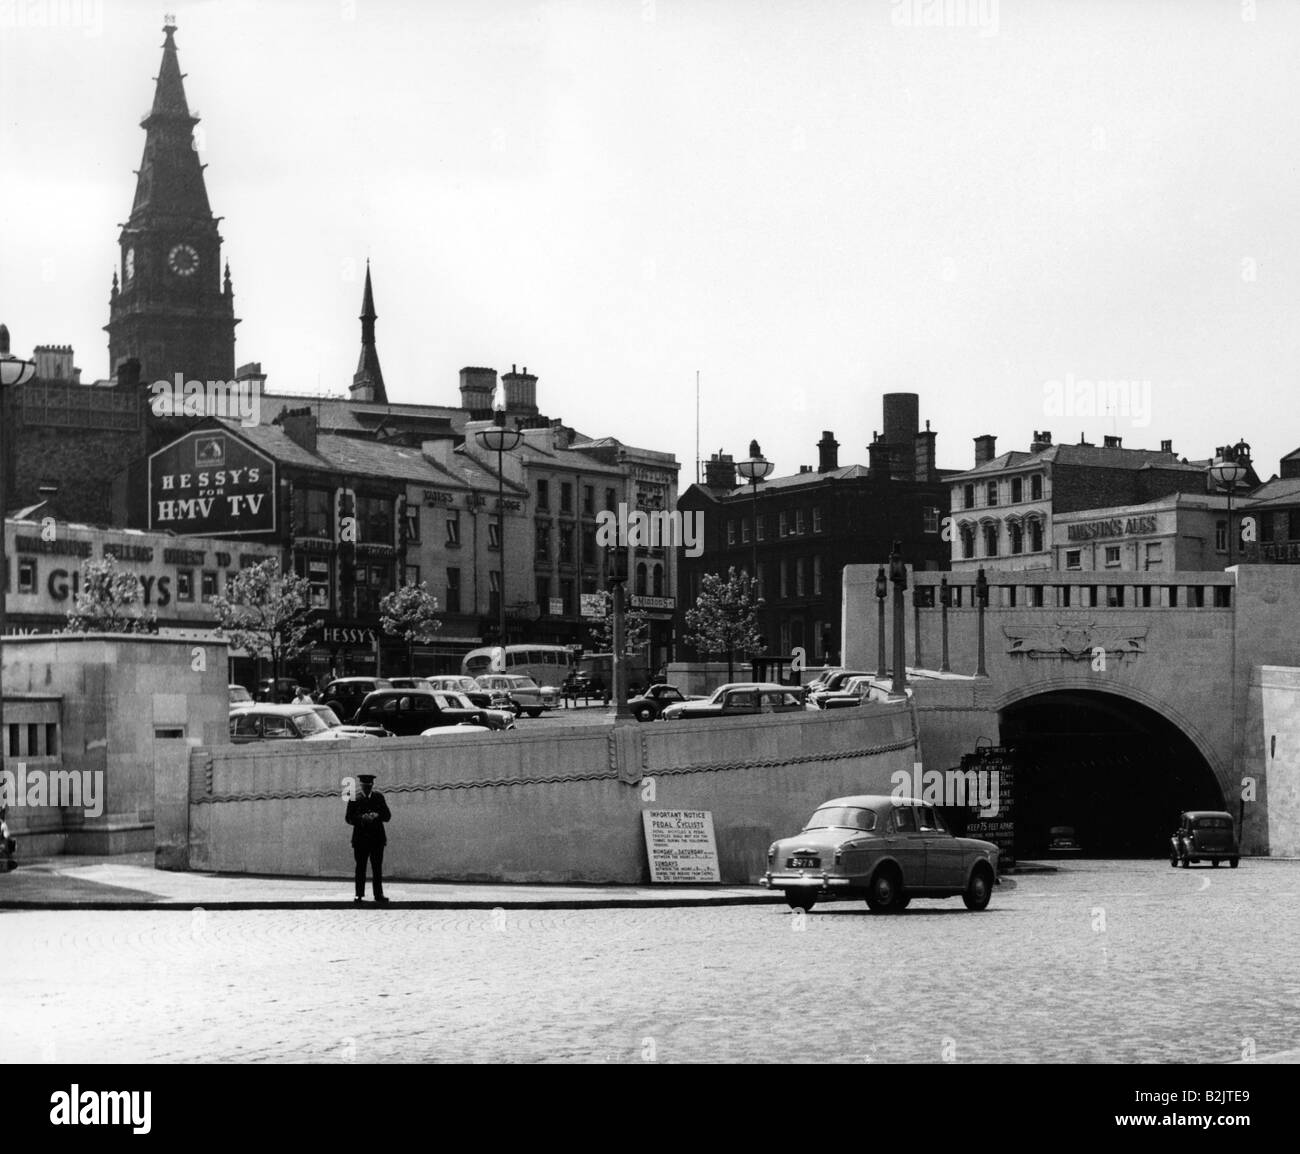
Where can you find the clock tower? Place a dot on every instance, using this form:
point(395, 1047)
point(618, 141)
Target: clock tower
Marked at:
point(172, 309)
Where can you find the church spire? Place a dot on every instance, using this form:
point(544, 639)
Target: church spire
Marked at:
point(368, 380)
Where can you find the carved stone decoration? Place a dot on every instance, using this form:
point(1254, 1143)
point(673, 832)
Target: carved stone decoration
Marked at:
point(1073, 640)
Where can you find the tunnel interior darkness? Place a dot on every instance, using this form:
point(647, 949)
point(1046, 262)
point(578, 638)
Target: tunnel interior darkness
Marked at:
point(1115, 770)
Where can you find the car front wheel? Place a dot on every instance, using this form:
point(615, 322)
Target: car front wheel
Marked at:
point(885, 892)
point(800, 899)
point(1233, 863)
point(978, 890)
point(645, 713)
point(534, 713)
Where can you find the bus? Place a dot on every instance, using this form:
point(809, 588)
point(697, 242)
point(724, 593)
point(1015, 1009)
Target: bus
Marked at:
point(545, 664)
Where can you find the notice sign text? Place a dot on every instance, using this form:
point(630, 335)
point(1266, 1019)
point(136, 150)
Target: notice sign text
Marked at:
point(680, 845)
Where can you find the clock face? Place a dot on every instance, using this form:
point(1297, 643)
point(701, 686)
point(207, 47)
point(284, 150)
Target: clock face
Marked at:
point(183, 260)
point(130, 263)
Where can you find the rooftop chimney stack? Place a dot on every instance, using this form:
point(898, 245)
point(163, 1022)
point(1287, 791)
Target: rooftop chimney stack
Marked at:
point(902, 423)
point(477, 388)
point(720, 471)
point(1113, 442)
point(985, 448)
point(1167, 447)
point(927, 467)
point(521, 392)
point(299, 426)
point(878, 459)
point(828, 453)
point(1042, 441)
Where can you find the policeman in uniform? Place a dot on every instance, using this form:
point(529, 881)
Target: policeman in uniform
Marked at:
point(367, 815)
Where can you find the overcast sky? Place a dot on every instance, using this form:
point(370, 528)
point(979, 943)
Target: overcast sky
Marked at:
point(811, 204)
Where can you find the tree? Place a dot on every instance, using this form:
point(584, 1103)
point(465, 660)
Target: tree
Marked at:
point(408, 613)
point(110, 601)
point(266, 612)
point(636, 629)
point(725, 617)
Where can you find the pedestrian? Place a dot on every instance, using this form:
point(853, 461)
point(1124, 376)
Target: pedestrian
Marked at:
point(366, 815)
point(302, 696)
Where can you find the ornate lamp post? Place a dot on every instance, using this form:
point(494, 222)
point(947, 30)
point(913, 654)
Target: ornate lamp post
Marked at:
point(898, 576)
point(882, 591)
point(945, 602)
point(1230, 469)
point(500, 440)
point(982, 600)
point(754, 469)
point(13, 371)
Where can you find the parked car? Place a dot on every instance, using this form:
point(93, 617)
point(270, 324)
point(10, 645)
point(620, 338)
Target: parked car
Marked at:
point(457, 730)
point(1204, 835)
point(239, 697)
point(887, 850)
point(580, 683)
point(409, 712)
point(523, 693)
point(465, 686)
point(277, 690)
point(344, 695)
point(331, 719)
point(263, 722)
point(742, 697)
point(656, 699)
point(854, 692)
point(489, 718)
point(1062, 839)
point(837, 681)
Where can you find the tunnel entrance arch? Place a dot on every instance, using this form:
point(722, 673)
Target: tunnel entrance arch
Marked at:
point(1115, 770)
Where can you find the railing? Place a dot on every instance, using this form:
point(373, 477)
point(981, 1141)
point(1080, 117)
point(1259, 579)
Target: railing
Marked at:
point(1071, 589)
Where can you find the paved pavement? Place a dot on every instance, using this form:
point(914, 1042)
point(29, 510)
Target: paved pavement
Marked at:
point(1125, 962)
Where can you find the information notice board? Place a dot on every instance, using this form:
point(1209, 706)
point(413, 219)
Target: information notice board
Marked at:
point(680, 845)
point(999, 828)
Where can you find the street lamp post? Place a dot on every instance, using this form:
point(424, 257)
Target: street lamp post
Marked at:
point(617, 578)
point(1229, 469)
point(945, 603)
point(13, 371)
point(898, 576)
point(982, 600)
point(500, 440)
point(754, 469)
point(882, 591)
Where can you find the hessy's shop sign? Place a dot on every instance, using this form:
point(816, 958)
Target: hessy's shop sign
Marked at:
point(209, 483)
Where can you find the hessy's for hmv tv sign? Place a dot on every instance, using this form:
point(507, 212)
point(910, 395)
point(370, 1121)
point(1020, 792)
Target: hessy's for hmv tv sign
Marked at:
point(210, 483)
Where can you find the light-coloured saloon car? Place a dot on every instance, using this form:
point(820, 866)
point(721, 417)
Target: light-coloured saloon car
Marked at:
point(887, 850)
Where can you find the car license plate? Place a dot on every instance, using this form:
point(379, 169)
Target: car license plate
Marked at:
point(803, 863)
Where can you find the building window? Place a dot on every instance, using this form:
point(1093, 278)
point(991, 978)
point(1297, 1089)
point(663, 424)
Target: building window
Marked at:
point(374, 583)
point(543, 587)
point(589, 500)
point(929, 519)
point(566, 544)
point(494, 592)
point(991, 493)
point(1036, 487)
point(1154, 555)
point(1073, 560)
point(611, 500)
point(799, 567)
point(26, 575)
point(316, 572)
point(208, 585)
point(1017, 534)
point(817, 576)
point(566, 594)
point(781, 565)
point(760, 526)
point(798, 522)
point(659, 581)
point(410, 575)
point(1017, 490)
point(411, 520)
point(1035, 596)
point(566, 496)
point(1143, 593)
point(1035, 536)
point(817, 519)
point(453, 529)
point(184, 584)
point(1222, 597)
point(990, 540)
point(589, 545)
point(1112, 556)
point(494, 534)
point(543, 494)
point(744, 530)
point(782, 525)
point(1114, 596)
point(542, 539)
point(375, 520)
point(967, 542)
point(641, 579)
point(731, 532)
point(968, 497)
point(453, 590)
point(1220, 536)
point(312, 513)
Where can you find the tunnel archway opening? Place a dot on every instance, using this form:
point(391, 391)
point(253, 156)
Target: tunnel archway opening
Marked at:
point(1113, 769)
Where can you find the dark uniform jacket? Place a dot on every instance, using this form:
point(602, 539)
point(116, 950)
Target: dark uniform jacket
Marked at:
point(368, 833)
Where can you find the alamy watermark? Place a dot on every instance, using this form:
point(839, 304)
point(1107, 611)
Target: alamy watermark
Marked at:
point(964, 788)
point(88, 15)
point(650, 529)
point(235, 400)
point(980, 14)
point(68, 788)
point(1087, 398)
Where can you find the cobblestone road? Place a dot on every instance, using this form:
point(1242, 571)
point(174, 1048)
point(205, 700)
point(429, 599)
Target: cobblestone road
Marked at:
point(1103, 961)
